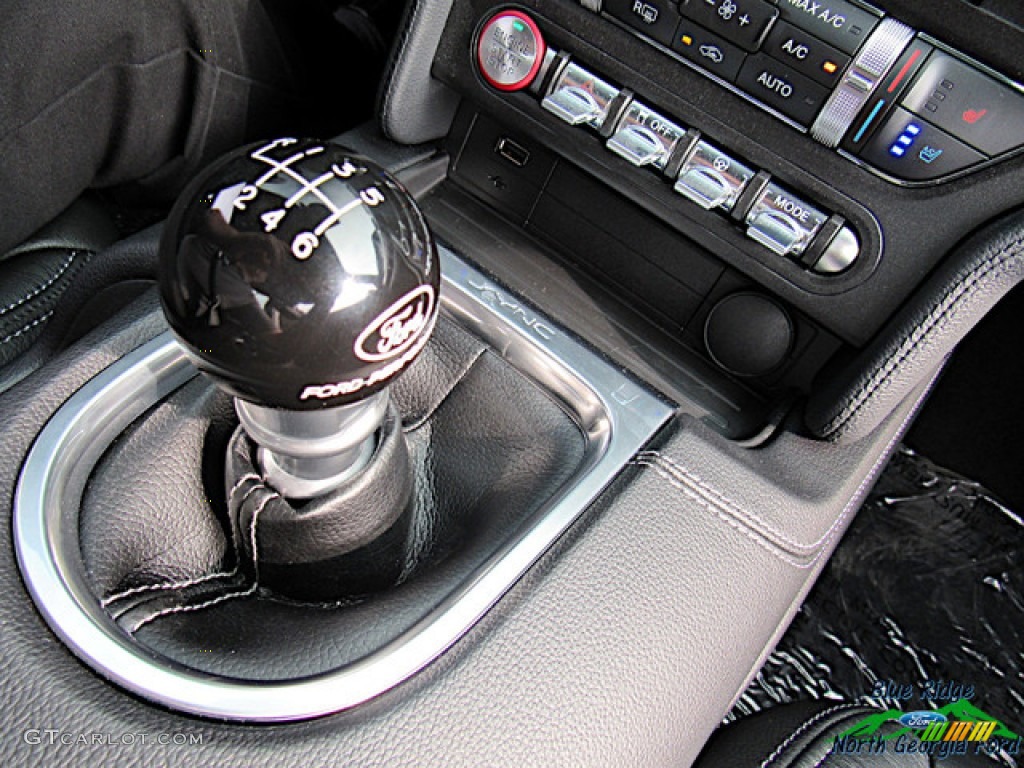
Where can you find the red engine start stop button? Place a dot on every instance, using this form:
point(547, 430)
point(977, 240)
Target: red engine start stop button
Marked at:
point(510, 51)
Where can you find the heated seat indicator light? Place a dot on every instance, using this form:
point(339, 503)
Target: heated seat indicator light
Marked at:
point(910, 148)
point(969, 104)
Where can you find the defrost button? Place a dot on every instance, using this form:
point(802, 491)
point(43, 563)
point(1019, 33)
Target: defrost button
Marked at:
point(782, 222)
point(711, 178)
point(580, 98)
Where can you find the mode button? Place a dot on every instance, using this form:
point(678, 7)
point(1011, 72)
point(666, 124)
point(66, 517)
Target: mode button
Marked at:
point(782, 222)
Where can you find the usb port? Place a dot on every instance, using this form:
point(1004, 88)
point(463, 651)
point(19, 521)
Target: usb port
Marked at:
point(512, 151)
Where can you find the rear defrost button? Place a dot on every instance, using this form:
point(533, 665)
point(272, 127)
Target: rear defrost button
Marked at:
point(655, 18)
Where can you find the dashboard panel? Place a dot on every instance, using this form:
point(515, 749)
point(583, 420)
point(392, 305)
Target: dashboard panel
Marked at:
point(747, 219)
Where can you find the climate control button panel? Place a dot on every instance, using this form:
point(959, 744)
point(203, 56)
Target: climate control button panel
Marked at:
point(846, 74)
point(700, 170)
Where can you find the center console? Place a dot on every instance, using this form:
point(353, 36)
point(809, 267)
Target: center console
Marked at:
point(701, 263)
point(765, 182)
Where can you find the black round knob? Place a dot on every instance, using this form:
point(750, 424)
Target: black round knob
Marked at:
point(749, 334)
point(299, 275)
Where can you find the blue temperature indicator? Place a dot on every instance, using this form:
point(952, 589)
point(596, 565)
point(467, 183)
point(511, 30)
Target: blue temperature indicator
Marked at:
point(905, 140)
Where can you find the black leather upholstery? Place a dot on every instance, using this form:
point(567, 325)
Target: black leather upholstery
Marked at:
point(36, 274)
point(608, 652)
point(622, 646)
point(487, 446)
point(918, 340)
point(415, 107)
point(803, 735)
point(347, 542)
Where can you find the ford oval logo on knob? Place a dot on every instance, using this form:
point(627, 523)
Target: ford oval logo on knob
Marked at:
point(396, 328)
point(921, 719)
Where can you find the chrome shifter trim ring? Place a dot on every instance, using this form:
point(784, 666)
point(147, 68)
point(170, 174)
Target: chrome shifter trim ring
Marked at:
point(617, 416)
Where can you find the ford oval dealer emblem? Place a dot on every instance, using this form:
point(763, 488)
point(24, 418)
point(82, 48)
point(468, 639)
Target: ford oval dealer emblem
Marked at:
point(921, 719)
point(396, 328)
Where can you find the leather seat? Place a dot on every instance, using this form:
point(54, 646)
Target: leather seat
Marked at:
point(68, 278)
point(803, 735)
point(35, 275)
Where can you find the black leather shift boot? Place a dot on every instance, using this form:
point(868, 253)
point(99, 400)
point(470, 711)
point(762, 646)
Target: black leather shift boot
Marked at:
point(487, 447)
point(349, 542)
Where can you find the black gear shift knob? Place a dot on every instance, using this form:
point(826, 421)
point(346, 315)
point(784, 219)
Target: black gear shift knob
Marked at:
point(299, 275)
point(302, 279)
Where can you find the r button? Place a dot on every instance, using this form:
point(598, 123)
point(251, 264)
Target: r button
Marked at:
point(655, 18)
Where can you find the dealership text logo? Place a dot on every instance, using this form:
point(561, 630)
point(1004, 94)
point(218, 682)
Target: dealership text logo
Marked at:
point(956, 728)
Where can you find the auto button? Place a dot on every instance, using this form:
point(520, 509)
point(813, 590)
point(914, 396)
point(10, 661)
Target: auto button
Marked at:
point(711, 178)
point(782, 222)
point(781, 88)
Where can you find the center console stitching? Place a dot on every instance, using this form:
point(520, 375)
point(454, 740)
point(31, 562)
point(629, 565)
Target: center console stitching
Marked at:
point(687, 477)
point(644, 461)
point(946, 307)
point(251, 590)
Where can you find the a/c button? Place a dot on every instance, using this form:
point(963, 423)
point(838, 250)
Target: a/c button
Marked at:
point(910, 148)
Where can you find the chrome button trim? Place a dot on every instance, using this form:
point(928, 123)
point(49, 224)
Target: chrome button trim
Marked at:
point(841, 253)
point(580, 97)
